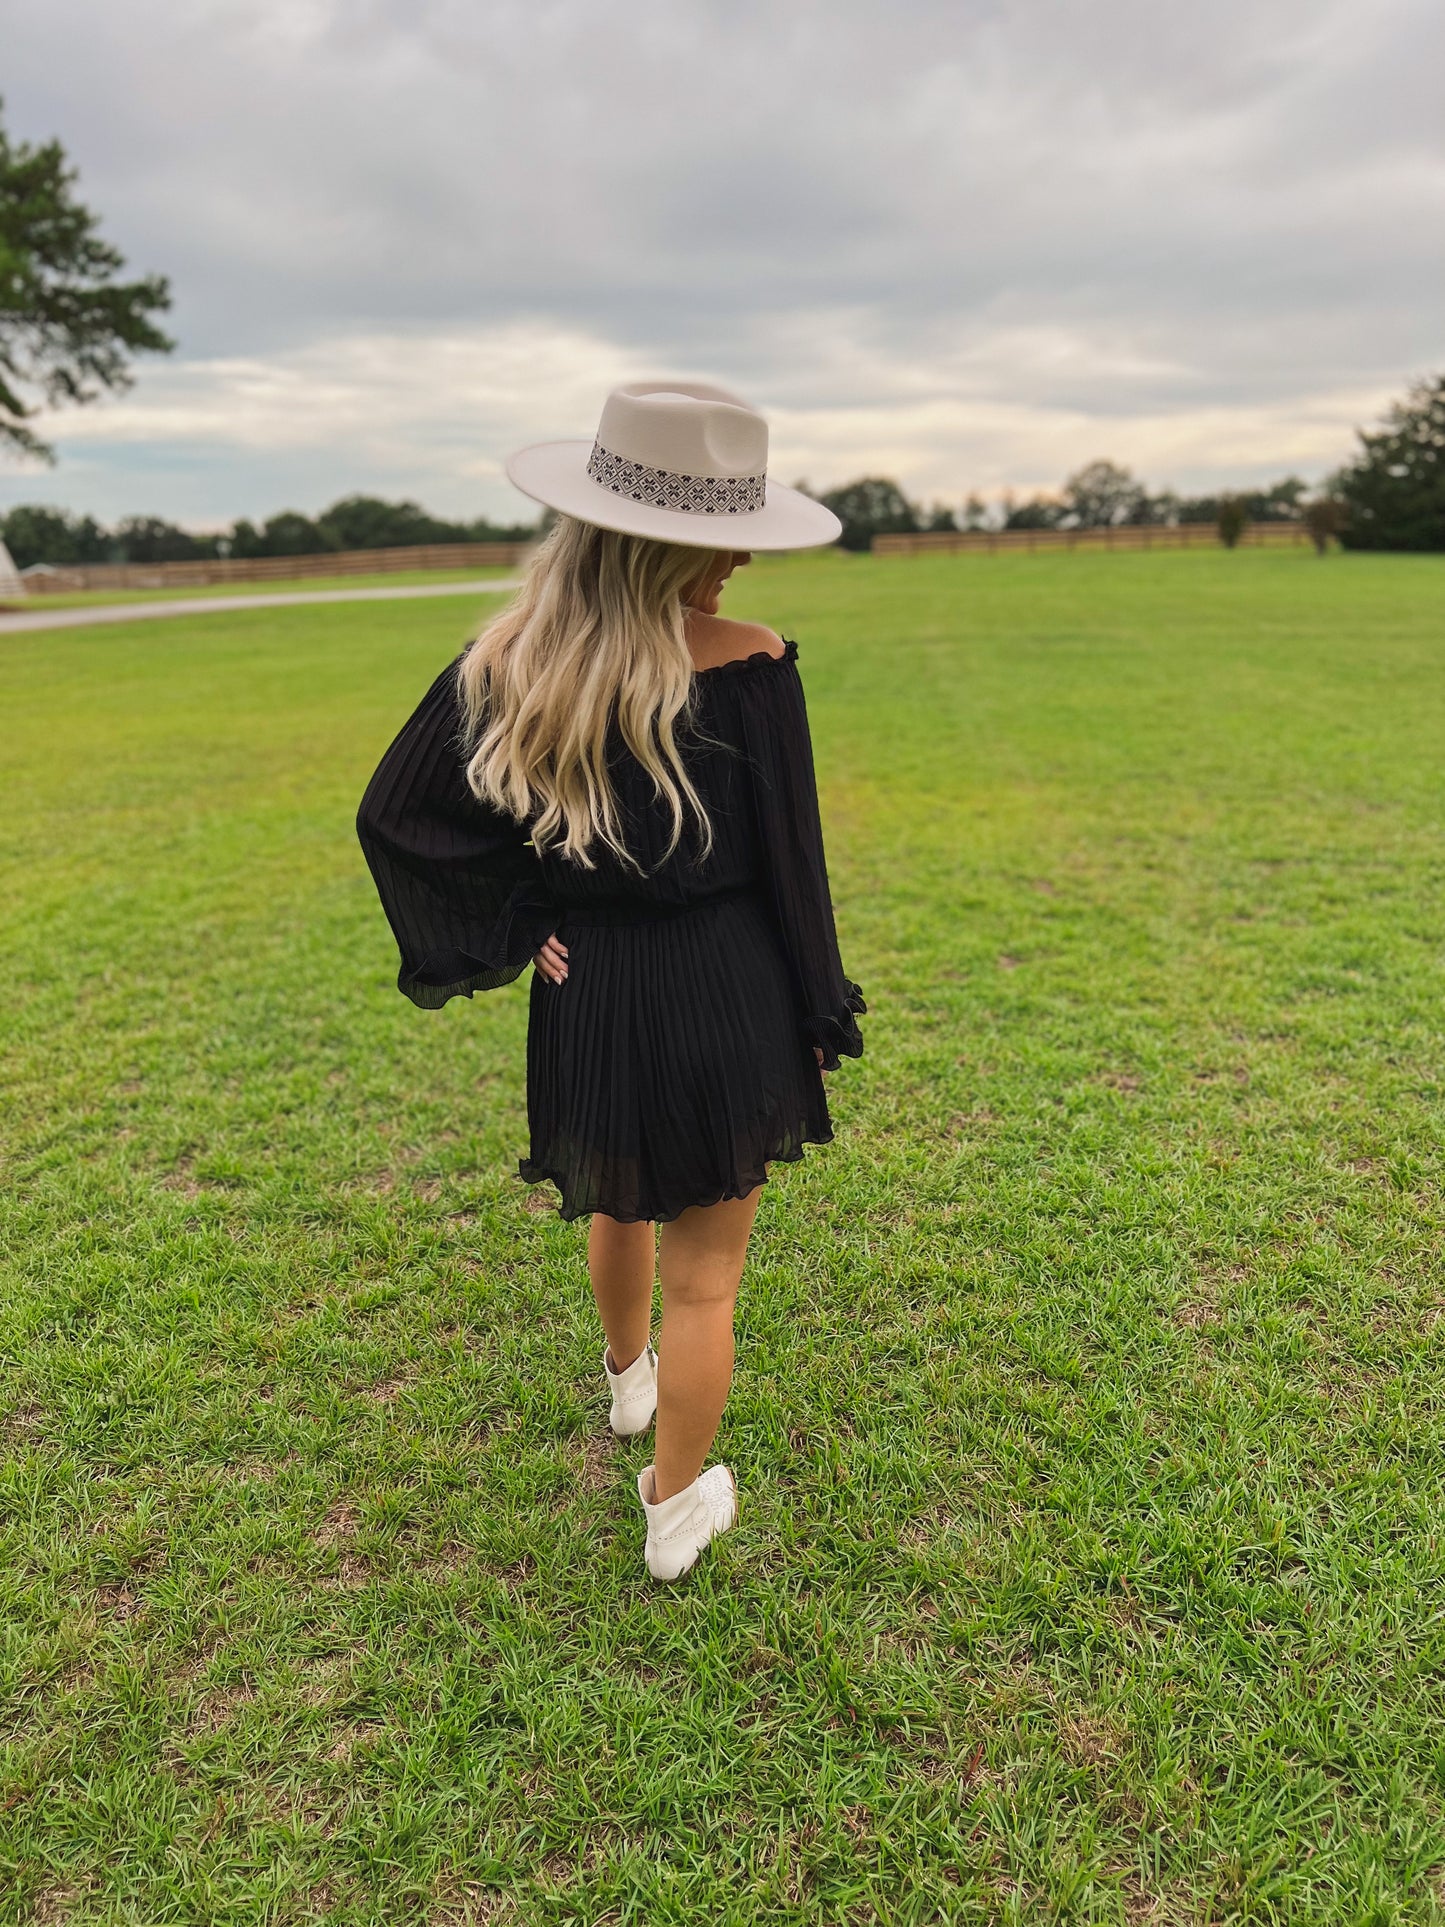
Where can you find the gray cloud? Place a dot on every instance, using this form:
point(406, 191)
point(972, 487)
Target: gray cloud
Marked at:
point(954, 238)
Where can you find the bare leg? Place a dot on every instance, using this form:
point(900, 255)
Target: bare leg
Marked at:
point(701, 1263)
point(621, 1259)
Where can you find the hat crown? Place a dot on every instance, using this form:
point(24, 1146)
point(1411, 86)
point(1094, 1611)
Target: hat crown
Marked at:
point(684, 428)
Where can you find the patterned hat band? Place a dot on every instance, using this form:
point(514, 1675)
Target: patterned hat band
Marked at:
point(661, 488)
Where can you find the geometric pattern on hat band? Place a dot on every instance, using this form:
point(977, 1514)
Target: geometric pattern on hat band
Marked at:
point(660, 488)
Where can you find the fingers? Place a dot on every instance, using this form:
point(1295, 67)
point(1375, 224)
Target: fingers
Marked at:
point(819, 1055)
point(551, 960)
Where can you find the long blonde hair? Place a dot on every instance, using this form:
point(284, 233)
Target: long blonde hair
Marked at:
point(595, 636)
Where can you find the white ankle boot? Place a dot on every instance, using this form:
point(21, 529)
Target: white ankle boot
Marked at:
point(678, 1528)
point(634, 1393)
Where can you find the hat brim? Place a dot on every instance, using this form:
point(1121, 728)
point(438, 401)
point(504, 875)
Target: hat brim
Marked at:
point(555, 474)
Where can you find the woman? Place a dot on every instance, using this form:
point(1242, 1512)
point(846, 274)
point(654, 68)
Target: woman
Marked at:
point(615, 783)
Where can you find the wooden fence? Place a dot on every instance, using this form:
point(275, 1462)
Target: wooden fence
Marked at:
point(507, 555)
point(275, 568)
point(1184, 535)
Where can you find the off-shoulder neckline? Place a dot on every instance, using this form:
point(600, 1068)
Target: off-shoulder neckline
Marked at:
point(759, 659)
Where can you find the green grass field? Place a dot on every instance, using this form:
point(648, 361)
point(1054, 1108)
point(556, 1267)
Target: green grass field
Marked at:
point(1091, 1386)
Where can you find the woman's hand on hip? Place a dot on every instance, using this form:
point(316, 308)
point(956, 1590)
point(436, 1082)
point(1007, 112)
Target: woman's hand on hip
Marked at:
point(551, 960)
point(819, 1055)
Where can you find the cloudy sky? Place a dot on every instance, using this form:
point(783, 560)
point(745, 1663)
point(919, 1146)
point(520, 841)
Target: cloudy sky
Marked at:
point(970, 243)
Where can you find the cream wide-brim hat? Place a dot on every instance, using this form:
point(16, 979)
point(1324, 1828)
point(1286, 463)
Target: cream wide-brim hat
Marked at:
point(676, 461)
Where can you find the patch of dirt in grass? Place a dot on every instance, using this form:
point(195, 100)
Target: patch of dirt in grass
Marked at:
point(339, 1526)
point(761, 1659)
point(539, 1203)
point(515, 1577)
point(352, 1571)
point(1010, 963)
point(218, 1708)
point(56, 1903)
point(450, 1560)
point(262, 1471)
point(1197, 1314)
point(599, 1462)
point(1124, 1081)
point(120, 1602)
point(1216, 1074)
point(21, 1426)
point(386, 1390)
point(1143, 1909)
point(337, 1531)
point(1087, 1737)
point(1366, 1167)
point(476, 1907)
point(356, 1733)
point(959, 1770)
point(926, 1528)
point(180, 1181)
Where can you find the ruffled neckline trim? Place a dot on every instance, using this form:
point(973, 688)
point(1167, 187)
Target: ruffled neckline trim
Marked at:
point(759, 659)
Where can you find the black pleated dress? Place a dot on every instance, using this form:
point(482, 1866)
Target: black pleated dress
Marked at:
point(677, 1061)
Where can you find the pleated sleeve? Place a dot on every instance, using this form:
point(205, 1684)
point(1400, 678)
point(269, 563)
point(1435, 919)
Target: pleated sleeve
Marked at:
point(460, 883)
point(780, 755)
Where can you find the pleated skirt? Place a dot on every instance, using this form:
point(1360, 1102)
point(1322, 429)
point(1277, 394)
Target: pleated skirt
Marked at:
point(670, 1069)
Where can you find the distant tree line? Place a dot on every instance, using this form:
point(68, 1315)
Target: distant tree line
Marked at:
point(1391, 496)
point(33, 534)
point(1101, 495)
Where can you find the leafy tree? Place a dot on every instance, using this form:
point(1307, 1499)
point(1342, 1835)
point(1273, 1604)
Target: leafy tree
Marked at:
point(873, 506)
point(941, 520)
point(1233, 519)
point(1394, 490)
point(146, 538)
point(485, 531)
point(288, 533)
point(1196, 508)
point(1101, 495)
point(1280, 502)
point(366, 522)
point(1324, 517)
point(34, 534)
point(975, 512)
point(1039, 512)
point(68, 323)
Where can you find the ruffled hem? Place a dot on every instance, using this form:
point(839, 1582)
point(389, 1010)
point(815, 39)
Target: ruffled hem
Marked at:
point(523, 927)
point(838, 1036)
point(568, 1211)
point(759, 659)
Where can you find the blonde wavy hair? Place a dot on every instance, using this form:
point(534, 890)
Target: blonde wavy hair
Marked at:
point(594, 636)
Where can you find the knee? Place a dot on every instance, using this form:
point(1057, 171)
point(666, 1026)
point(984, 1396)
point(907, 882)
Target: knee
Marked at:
point(701, 1287)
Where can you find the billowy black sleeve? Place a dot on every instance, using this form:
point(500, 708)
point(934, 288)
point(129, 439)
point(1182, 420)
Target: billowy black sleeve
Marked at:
point(460, 883)
point(780, 753)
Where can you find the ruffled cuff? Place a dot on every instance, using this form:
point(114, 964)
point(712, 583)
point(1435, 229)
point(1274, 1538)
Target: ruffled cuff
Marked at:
point(526, 920)
point(837, 1035)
